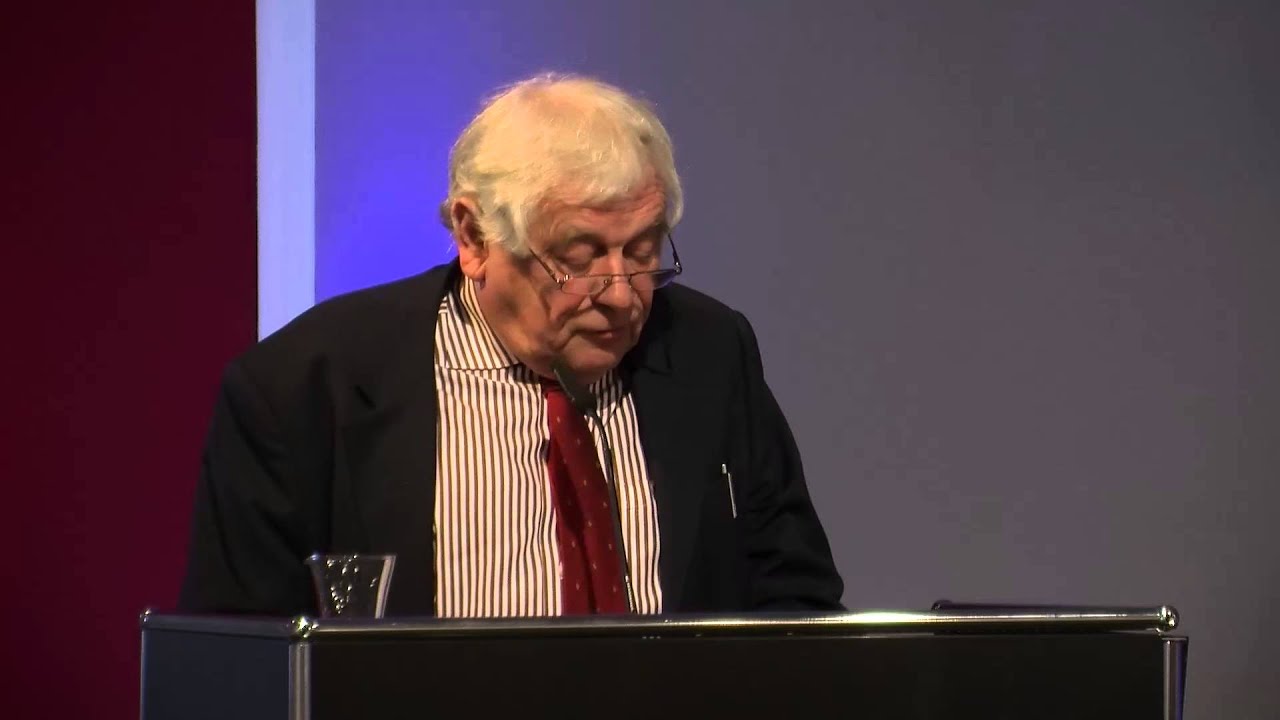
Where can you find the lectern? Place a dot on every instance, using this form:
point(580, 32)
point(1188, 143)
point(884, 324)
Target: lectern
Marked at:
point(952, 662)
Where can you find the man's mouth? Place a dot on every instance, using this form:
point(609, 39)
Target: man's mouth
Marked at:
point(606, 333)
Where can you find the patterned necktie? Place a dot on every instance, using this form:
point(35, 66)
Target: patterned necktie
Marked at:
point(591, 579)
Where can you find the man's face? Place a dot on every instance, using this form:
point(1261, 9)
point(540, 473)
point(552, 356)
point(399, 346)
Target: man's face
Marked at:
point(536, 321)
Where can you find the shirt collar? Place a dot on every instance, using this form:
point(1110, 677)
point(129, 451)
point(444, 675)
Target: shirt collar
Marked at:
point(478, 347)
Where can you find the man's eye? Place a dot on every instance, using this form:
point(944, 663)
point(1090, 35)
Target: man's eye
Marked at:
point(643, 252)
point(575, 265)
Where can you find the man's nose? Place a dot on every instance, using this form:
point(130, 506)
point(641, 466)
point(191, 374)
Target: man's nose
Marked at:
point(617, 294)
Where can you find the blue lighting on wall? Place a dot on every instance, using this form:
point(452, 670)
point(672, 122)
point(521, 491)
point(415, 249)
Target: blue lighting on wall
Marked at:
point(395, 84)
point(388, 86)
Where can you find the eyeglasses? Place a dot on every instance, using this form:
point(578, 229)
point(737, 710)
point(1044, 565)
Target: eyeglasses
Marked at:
point(592, 285)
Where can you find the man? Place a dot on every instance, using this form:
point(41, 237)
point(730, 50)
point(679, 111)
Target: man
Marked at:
point(425, 418)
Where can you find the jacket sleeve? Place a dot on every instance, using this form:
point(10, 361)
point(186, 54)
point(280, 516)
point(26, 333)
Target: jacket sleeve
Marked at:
point(788, 555)
point(246, 552)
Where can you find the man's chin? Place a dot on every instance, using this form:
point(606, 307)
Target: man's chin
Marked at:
point(591, 361)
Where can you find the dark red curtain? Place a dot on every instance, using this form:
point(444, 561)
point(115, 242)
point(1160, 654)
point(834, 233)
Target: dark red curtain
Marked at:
point(128, 241)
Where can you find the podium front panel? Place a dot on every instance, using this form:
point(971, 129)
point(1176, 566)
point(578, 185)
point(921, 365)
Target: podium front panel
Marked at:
point(247, 670)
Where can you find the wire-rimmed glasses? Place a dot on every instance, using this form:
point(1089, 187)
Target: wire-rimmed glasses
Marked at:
point(594, 284)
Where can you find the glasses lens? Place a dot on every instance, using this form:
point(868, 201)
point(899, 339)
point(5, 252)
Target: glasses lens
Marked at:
point(596, 284)
point(585, 285)
point(662, 278)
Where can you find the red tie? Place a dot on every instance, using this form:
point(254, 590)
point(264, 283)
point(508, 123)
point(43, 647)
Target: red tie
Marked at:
point(591, 573)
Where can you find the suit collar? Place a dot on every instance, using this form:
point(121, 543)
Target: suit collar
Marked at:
point(398, 370)
point(652, 351)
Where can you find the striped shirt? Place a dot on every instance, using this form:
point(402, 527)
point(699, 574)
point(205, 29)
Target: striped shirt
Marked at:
point(496, 552)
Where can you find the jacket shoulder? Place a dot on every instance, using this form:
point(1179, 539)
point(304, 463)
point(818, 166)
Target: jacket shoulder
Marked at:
point(692, 315)
point(698, 307)
point(350, 333)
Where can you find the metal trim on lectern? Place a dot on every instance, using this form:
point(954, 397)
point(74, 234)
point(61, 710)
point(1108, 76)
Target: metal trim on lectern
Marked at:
point(1059, 619)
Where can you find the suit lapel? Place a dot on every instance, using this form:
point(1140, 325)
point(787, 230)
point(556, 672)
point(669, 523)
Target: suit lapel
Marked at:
point(389, 449)
point(673, 437)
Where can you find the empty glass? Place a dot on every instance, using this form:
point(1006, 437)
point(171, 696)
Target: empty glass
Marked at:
point(351, 585)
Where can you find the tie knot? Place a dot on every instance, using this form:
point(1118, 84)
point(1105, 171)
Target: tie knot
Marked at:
point(550, 388)
point(555, 393)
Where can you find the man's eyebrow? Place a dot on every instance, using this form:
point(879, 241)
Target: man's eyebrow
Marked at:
point(658, 226)
point(573, 234)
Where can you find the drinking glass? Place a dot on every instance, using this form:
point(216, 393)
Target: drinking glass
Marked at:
point(351, 585)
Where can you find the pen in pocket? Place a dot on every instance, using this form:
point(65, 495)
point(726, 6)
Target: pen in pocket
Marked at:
point(728, 478)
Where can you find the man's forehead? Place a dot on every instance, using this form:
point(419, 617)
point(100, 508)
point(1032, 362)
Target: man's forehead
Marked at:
point(590, 200)
point(633, 213)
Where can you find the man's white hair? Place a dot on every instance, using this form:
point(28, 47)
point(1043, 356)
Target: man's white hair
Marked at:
point(557, 138)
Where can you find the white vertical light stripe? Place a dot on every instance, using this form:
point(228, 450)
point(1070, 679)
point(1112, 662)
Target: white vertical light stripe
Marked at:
point(496, 550)
point(286, 160)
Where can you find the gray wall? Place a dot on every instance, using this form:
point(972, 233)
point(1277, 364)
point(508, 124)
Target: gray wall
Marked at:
point(1011, 266)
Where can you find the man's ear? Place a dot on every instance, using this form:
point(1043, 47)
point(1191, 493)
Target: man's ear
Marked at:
point(473, 252)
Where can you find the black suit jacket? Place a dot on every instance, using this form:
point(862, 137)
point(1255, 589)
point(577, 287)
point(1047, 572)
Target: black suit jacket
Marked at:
point(324, 440)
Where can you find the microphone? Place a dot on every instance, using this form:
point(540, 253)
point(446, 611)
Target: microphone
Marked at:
point(577, 393)
point(582, 399)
